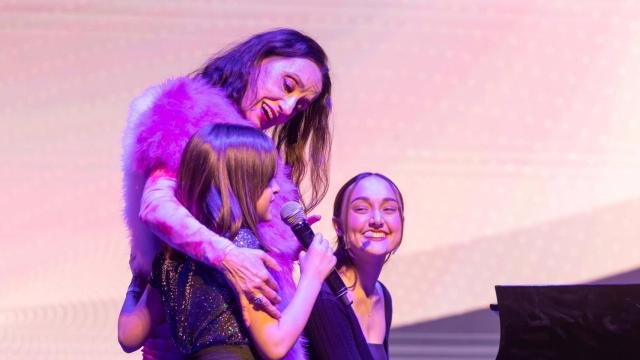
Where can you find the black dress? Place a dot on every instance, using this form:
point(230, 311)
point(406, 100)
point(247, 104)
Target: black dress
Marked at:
point(201, 307)
point(334, 332)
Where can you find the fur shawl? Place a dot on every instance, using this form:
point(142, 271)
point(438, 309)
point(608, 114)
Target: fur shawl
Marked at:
point(160, 123)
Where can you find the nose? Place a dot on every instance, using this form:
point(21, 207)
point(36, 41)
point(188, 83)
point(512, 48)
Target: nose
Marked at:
point(375, 221)
point(288, 105)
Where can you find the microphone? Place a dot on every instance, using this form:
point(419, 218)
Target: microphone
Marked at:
point(293, 215)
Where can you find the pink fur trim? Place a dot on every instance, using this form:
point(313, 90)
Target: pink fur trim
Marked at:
point(184, 107)
point(160, 123)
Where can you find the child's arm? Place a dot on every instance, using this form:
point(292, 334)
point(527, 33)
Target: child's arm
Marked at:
point(174, 224)
point(140, 314)
point(272, 337)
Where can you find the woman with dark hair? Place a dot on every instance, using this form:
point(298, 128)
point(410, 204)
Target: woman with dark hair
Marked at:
point(275, 80)
point(368, 215)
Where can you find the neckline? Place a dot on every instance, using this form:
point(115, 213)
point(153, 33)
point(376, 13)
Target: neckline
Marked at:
point(384, 307)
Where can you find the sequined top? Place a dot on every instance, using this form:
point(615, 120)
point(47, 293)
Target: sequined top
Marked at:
point(201, 307)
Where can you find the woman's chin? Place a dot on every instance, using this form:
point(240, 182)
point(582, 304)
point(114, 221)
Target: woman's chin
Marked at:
point(256, 120)
point(377, 247)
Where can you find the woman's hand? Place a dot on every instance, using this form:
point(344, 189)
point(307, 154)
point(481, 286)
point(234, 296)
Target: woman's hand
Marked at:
point(312, 219)
point(318, 260)
point(245, 269)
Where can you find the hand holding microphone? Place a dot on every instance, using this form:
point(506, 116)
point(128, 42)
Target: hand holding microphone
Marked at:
point(318, 260)
point(293, 215)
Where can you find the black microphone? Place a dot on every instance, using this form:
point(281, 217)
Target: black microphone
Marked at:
point(293, 215)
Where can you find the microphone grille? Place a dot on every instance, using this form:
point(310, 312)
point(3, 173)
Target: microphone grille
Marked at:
point(292, 213)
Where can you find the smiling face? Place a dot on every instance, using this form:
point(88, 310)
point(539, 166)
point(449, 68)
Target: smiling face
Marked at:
point(372, 221)
point(283, 87)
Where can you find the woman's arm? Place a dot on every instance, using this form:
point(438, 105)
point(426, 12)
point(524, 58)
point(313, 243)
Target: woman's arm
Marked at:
point(140, 314)
point(274, 338)
point(174, 224)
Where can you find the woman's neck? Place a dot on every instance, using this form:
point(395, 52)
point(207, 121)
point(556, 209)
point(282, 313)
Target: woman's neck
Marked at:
point(364, 273)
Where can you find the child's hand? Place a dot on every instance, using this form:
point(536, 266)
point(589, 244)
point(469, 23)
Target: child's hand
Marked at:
point(137, 268)
point(318, 260)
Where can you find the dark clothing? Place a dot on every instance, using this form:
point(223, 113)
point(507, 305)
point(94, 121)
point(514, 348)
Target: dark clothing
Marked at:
point(223, 352)
point(201, 307)
point(334, 332)
point(378, 352)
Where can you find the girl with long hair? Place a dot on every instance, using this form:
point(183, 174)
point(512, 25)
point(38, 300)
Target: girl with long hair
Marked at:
point(226, 180)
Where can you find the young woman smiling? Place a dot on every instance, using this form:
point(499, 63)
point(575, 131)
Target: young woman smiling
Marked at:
point(368, 218)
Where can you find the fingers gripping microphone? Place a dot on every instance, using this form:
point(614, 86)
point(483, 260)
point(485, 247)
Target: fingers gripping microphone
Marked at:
point(293, 215)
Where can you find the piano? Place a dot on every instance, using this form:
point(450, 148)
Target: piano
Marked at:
point(569, 322)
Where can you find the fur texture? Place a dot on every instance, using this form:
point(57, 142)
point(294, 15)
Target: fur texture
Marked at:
point(160, 123)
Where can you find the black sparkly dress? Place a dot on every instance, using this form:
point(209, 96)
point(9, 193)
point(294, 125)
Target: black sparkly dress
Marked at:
point(201, 307)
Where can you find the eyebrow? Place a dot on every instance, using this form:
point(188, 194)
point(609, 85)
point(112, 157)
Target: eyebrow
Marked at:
point(300, 83)
point(364, 198)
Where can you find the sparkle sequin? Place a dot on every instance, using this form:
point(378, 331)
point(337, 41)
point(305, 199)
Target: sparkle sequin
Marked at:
point(201, 307)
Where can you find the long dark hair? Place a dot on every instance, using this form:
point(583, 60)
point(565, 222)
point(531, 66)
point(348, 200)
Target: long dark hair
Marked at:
point(304, 140)
point(223, 171)
point(340, 207)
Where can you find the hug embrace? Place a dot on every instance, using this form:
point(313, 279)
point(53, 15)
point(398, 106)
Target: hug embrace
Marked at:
point(212, 262)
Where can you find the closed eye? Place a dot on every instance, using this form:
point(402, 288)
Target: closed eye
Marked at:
point(360, 209)
point(287, 85)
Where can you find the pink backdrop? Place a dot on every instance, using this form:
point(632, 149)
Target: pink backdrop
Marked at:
point(511, 127)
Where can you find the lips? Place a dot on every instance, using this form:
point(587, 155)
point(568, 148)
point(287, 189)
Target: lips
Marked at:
point(375, 235)
point(268, 112)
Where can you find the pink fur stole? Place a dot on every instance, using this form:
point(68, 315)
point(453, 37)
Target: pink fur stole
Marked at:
point(160, 123)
